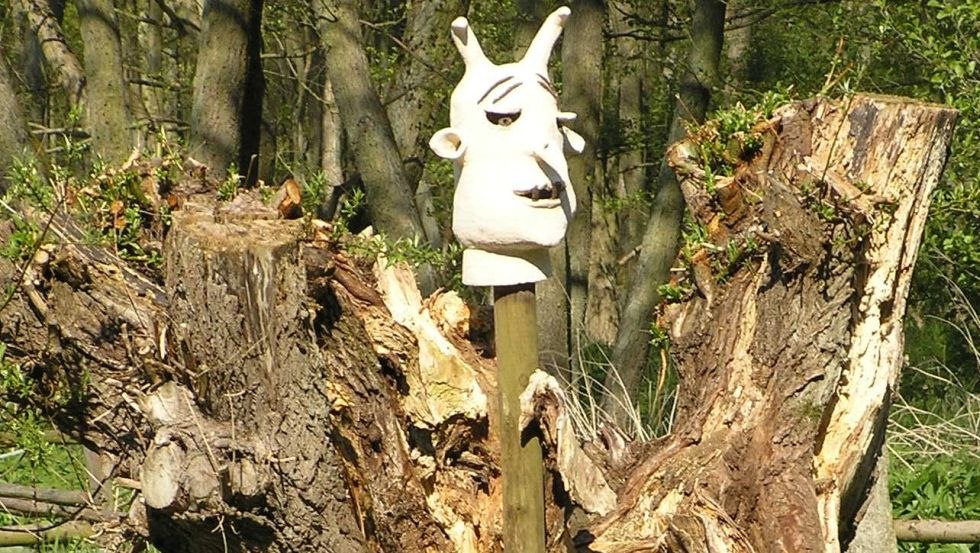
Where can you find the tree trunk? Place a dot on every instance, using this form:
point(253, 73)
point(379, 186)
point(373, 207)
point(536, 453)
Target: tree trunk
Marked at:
point(659, 245)
point(738, 44)
point(331, 158)
point(530, 14)
point(13, 129)
point(31, 67)
point(582, 63)
point(390, 202)
point(417, 95)
point(43, 19)
point(419, 87)
point(389, 197)
point(275, 394)
point(226, 117)
point(106, 108)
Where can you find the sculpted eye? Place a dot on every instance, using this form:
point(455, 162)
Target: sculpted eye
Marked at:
point(503, 119)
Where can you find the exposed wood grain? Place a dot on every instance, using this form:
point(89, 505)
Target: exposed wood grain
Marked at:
point(797, 349)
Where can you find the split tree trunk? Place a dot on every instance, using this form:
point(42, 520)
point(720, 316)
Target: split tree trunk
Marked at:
point(793, 347)
point(275, 395)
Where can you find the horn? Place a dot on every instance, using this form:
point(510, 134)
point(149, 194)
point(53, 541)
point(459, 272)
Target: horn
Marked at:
point(466, 43)
point(540, 49)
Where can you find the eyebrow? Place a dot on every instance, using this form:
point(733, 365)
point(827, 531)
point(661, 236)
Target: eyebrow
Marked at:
point(508, 91)
point(495, 85)
point(546, 84)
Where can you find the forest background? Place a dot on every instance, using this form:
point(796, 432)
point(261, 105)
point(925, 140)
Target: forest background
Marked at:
point(343, 98)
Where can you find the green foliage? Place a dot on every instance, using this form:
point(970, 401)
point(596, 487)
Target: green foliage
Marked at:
point(228, 188)
point(22, 241)
point(29, 185)
point(13, 383)
point(313, 191)
point(673, 292)
point(730, 137)
point(944, 488)
point(447, 262)
point(36, 461)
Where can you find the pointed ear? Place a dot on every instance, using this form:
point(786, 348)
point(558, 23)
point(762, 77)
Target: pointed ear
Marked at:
point(574, 143)
point(447, 143)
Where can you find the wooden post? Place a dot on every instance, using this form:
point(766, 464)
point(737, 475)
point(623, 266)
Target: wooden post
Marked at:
point(516, 325)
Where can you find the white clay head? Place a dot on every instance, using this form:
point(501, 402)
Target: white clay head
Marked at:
point(508, 142)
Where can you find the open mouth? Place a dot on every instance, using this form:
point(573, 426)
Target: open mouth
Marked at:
point(550, 191)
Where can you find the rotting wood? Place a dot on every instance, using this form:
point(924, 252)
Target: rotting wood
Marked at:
point(33, 507)
point(894, 150)
point(797, 347)
point(544, 400)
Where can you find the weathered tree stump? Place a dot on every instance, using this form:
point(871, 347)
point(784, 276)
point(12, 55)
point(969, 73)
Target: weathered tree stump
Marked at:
point(271, 393)
point(788, 355)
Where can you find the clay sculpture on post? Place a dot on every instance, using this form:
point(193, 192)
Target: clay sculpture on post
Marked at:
point(508, 141)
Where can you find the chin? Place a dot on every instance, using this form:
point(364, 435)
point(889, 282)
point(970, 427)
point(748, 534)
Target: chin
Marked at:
point(508, 237)
point(513, 226)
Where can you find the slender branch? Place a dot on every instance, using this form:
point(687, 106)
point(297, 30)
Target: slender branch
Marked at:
point(179, 22)
point(33, 507)
point(53, 436)
point(47, 495)
point(938, 531)
point(34, 534)
point(746, 18)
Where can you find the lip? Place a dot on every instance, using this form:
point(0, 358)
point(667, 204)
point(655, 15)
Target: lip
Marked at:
point(547, 203)
point(543, 195)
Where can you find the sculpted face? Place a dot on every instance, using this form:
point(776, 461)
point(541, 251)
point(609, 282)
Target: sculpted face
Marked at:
point(508, 142)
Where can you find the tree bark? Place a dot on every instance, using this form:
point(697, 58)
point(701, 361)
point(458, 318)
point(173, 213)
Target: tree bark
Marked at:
point(389, 197)
point(13, 129)
point(874, 529)
point(659, 245)
point(106, 109)
point(938, 531)
point(226, 116)
point(331, 159)
point(530, 14)
point(31, 66)
point(419, 87)
point(417, 94)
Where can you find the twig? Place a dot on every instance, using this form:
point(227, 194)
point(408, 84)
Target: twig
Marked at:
point(35, 534)
point(47, 495)
point(938, 531)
